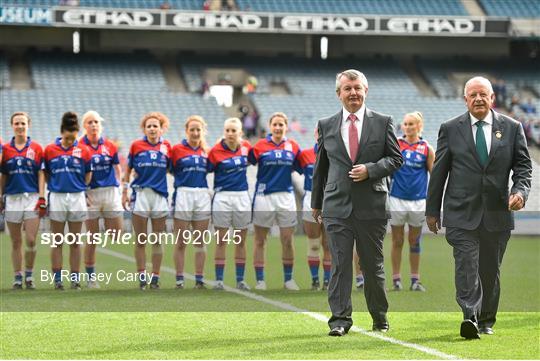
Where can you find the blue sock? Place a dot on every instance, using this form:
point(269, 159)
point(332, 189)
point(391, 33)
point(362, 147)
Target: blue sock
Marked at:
point(28, 273)
point(259, 273)
point(155, 279)
point(57, 275)
point(220, 269)
point(327, 271)
point(74, 277)
point(199, 278)
point(287, 272)
point(314, 269)
point(18, 277)
point(179, 278)
point(240, 269)
point(90, 270)
point(359, 278)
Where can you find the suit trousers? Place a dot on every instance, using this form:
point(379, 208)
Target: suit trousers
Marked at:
point(478, 255)
point(368, 235)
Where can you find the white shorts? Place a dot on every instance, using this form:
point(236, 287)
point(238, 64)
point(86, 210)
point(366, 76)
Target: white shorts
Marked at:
point(104, 202)
point(20, 207)
point(149, 204)
point(405, 211)
point(277, 207)
point(307, 213)
point(231, 209)
point(67, 207)
point(192, 204)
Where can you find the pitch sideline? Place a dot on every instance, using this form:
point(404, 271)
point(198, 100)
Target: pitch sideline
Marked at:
point(289, 307)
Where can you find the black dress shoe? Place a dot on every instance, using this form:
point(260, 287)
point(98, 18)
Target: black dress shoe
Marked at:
point(381, 327)
point(469, 330)
point(485, 330)
point(337, 331)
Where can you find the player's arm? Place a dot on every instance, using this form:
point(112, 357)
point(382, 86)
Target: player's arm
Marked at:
point(430, 159)
point(118, 173)
point(125, 186)
point(2, 187)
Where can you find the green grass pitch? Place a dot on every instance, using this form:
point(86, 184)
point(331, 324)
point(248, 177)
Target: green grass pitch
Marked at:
point(120, 322)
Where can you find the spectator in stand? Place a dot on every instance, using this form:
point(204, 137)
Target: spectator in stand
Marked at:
point(529, 107)
point(206, 5)
point(165, 5)
point(499, 88)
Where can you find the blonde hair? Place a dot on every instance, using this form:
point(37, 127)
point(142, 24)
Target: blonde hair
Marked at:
point(418, 117)
point(238, 124)
point(278, 114)
point(204, 125)
point(16, 114)
point(163, 120)
point(92, 114)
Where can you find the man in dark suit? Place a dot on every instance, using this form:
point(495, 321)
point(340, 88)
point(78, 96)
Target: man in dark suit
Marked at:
point(476, 152)
point(357, 150)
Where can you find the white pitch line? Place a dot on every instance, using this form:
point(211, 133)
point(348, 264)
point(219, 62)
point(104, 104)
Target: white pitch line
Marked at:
point(289, 307)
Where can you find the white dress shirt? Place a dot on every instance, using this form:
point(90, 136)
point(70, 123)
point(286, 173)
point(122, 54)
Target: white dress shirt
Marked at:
point(346, 122)
point(486, 128)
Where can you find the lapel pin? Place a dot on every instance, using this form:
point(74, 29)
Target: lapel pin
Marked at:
point(498, 134)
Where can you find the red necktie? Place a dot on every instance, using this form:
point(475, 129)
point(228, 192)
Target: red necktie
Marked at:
point(353, 137)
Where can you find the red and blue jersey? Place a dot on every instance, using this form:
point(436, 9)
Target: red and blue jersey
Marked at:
point(229, 167)
point(306, 162)
point(410, 181)
point(67, 168)
point(190, 166)
point(21, 167)
point(276, 162)
point(104, 157)
point(151, 163)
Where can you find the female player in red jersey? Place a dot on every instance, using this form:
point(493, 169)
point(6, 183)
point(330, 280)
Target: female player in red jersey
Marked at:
point(231, 204)
point(407, 200)
point(314, 231)
point(149, 160)
point(192, 201)
point(274, 201)
point(69, 171)
point(23, 184)
point(103, 197)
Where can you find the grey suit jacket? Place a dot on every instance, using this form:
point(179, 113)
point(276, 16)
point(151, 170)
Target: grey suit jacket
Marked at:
point(475, 193)
point(333, 191)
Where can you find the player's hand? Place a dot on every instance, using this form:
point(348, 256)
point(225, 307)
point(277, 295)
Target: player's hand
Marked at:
point(41, 207)
point(317, 215)
point(1, 204)
point(515, 202)
point(125, 200)
point(359, 173)
point(433, 223)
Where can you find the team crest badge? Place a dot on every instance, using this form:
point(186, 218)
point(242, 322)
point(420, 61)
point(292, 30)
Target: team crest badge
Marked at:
point(244, 151)
point(77, 152)
point(163, 149)
point(288, 146)
point(30, 154)
point(105, 151)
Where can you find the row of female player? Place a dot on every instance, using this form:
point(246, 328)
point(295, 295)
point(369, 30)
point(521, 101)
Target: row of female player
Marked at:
point(91, 164)
point(84, 178)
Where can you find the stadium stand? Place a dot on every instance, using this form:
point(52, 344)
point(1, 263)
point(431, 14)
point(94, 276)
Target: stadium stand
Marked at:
point(312, 94)
point(511, 8)
point(387, 7)
point(120, 88)
point(4, 73)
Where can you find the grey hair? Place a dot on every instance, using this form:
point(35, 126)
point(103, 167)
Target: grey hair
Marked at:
point(479, 79)
point(351, 74)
